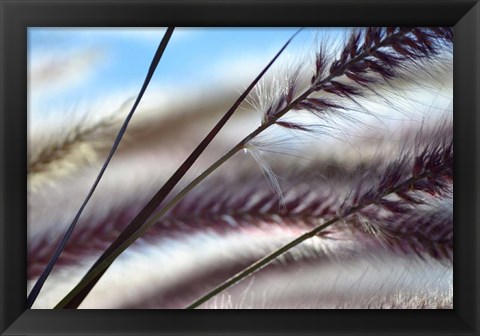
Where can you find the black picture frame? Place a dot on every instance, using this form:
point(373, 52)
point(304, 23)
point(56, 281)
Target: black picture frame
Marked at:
point(17, 15)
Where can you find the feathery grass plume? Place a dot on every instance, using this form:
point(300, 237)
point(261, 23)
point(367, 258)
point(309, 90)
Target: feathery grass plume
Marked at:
point(64, 154)
point(423, 170)
point(369, 57)
point(208, 208)
point(380, 52)
point(79, 143)
point(422, 232)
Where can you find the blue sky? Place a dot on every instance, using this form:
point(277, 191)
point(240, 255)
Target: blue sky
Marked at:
point(121, 57)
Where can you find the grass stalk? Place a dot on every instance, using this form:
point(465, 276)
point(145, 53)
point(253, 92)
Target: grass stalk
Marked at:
point(43, 277)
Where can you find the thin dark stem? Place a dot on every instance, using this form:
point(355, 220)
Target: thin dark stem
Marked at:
point(43, 277)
